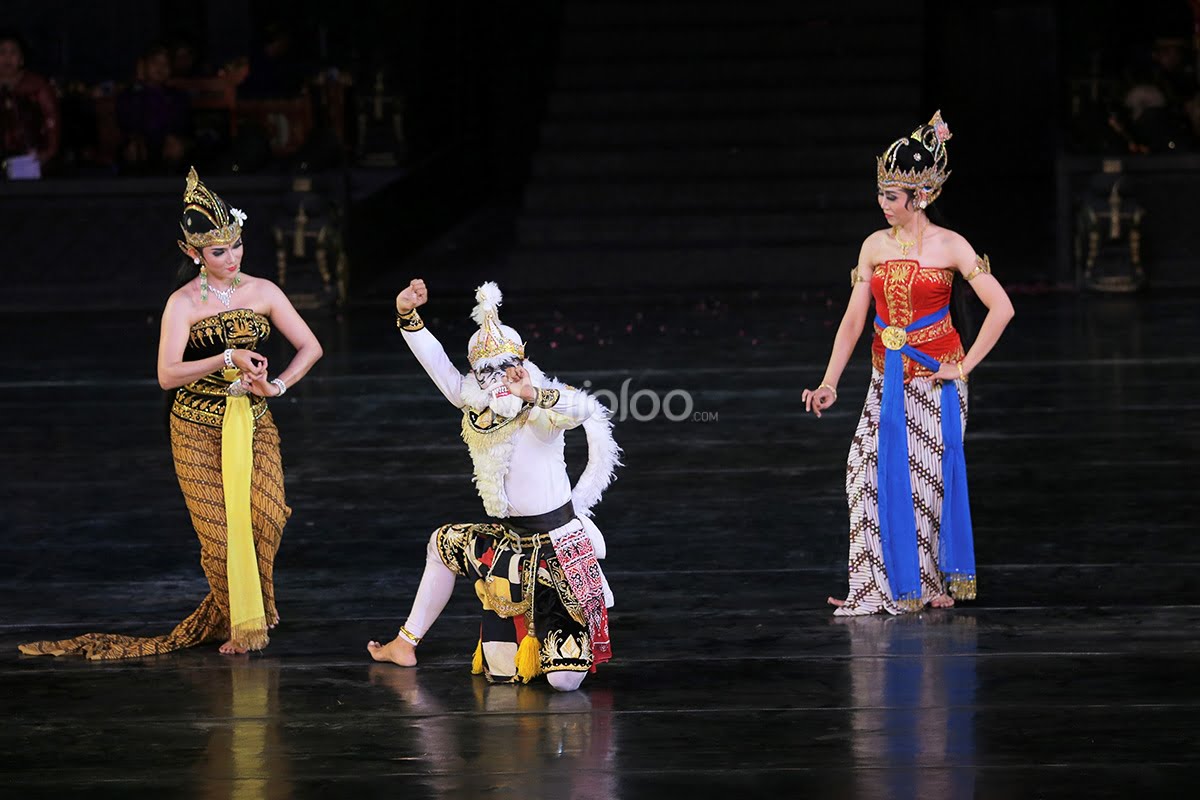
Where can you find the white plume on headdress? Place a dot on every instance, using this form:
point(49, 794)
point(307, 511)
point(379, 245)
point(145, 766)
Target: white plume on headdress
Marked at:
point(487, 298)
point(494, 343)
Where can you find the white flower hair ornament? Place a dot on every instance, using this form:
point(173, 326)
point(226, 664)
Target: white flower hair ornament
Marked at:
point(238, 214)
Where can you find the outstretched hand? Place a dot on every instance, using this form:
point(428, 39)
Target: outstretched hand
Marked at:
point(819, 399)
point(413, 296)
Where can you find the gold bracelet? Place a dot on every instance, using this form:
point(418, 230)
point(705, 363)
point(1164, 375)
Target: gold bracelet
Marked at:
point(410, 321)
point(830, 388)
point(962, 374)
point(412, 638)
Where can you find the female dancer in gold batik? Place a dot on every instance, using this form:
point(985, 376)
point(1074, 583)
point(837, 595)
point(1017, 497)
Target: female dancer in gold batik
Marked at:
point(223, 438)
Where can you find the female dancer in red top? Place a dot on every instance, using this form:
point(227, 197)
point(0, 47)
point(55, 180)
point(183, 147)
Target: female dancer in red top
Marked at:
point(910, 527)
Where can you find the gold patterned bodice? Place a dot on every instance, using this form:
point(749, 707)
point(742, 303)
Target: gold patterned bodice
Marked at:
point(203, 400)
point(905, 292)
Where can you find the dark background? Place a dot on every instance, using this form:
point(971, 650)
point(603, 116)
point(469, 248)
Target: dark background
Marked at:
point(476, 78)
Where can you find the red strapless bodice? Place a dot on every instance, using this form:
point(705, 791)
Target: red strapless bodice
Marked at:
point(904, 292)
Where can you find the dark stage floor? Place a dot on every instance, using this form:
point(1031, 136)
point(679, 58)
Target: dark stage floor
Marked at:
point(1074, 675)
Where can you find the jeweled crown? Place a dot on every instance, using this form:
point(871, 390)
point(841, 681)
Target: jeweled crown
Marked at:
point(207, 219)
point(491, 340)
point(926, 147)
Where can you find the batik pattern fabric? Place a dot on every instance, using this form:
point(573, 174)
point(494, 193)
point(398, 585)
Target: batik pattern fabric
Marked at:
point(196, 450)
point(525, 592)
point(577, 555)
point(870, 590)
point(197, 424)
point(203, 400)
point(903, 429)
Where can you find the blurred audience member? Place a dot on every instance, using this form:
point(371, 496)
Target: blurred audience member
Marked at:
point(155, 119)
point(29, 113)
point(275, 70)
point(1156, 102)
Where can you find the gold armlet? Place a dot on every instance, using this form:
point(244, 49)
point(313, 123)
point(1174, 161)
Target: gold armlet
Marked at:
point(547, 398)
point(982, 267)
point(856, 277)
point(409, 322)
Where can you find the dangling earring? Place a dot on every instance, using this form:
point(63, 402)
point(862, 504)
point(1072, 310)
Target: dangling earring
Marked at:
point(203, 284)
point(237, 279)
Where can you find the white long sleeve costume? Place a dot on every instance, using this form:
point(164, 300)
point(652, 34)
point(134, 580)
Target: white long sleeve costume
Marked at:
point(537, 480)
point(520, 468)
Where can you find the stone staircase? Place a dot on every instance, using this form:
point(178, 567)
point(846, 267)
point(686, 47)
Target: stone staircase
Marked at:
point(730, 139)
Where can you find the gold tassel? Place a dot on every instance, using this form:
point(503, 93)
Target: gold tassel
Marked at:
point(529, 662)
point(477, 661)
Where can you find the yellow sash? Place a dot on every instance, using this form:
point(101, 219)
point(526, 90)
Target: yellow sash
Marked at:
point(247, 619)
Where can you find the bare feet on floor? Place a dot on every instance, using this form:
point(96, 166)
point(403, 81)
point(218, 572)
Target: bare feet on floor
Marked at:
point(397, 651)
point(231, 649)
point(833, 601)
point(942, 601)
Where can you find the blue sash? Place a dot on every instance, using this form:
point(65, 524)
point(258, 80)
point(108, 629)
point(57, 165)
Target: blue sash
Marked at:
point(897, 517)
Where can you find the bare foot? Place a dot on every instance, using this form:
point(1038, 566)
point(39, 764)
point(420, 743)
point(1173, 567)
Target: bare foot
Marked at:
point(398, 651)
point(833, 601)
point(942, 601)
point(231, 649)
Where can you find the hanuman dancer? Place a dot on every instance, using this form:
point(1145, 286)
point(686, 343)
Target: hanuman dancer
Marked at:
point(535, 562)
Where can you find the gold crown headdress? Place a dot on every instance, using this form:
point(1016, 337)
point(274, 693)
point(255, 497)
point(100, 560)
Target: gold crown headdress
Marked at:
point(492, 340)
point(207, 219)
point(928, 158)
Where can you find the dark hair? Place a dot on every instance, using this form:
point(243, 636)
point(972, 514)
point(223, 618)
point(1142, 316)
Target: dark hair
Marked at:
point(13, 35)
point(156, 48)
point(188, 269)
point(960, 309)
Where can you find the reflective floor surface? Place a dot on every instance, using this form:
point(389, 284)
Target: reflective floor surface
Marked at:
point(1073, 675)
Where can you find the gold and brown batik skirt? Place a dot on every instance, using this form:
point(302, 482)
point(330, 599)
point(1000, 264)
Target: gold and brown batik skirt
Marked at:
point(197, 453)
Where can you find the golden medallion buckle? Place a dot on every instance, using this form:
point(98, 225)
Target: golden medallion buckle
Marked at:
point(893, 337)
